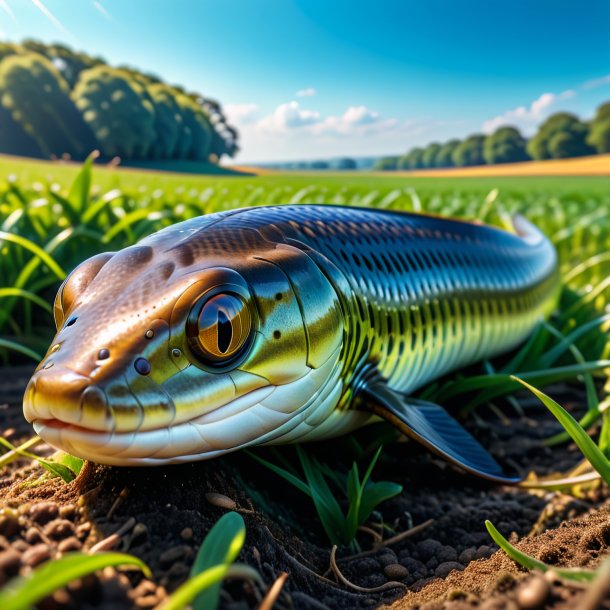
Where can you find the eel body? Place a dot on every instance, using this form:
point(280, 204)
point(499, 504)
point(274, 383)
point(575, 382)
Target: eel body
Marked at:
point(283, 324)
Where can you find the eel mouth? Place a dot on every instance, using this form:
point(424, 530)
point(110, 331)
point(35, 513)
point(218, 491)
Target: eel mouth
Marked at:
point(224, 429)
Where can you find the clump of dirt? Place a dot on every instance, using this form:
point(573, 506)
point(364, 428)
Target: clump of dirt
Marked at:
point(161, 515)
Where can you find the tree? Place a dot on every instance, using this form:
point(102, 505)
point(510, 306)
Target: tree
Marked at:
point(319, 165)
point(430, 154)
point(574, 145)
point(599, 129)
point(506, 145)
point(38, 98)
point(386, 164)
point(168, 122)
point(14, 140)
point(198, 124)
point(413, 159)
point(444, 157)
point(470, 151)
point(346, 163)
point(118, 111)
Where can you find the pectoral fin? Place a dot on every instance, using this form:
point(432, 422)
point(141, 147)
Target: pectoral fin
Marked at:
point(434, 428)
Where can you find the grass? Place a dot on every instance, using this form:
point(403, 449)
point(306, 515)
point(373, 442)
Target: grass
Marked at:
point(52, 216)
point(214, 561)
point(321, 483)
point(530, 563)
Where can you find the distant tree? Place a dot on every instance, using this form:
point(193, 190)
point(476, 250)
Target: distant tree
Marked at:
point(198, 123)
point(8, 48)
point(14, 140)
point(505, 145)
point(430, 154)
point(386, 164)
point(118, 111)
point(573, 145)
point(469, 152)
point(444, 157)
point(414, 159)
point(319, 165)
point(168, 122)
point(70, 63)
point(599, 129)
point(38, 98)
point(346, 163)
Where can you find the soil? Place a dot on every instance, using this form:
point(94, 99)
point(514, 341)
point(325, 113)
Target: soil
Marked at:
point(161, 515)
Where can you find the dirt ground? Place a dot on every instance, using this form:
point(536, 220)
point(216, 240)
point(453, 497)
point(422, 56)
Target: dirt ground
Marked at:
point(162, 514)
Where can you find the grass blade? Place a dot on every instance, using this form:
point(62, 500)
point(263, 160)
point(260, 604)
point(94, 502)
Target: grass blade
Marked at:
point(529, 562)
point(220, 547)
point(584, 442)
point(24, 592)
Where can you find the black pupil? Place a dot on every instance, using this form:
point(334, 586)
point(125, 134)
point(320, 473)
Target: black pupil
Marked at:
point(225, 332)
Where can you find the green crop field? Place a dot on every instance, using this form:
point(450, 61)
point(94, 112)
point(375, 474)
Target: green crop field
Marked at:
point(52, 216)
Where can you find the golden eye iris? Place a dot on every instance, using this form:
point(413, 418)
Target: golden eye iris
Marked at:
point(219, 328)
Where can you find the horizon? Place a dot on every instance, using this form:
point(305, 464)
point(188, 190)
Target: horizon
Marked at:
point(321, 82)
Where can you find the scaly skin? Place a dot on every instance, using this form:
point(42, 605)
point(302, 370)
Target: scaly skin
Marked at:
point(335, 295)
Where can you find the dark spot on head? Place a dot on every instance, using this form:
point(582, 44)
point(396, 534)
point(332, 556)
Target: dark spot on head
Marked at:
point(184, 254)
point(142, 366)
point(277, 334)
point(103, 354)
point(278, 296)
point(71, 321)
point(164, 270)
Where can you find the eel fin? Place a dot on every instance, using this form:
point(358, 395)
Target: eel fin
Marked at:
point(433, 427)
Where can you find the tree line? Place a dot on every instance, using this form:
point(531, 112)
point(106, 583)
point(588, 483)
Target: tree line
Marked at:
point(561, 136)
point(58, 103)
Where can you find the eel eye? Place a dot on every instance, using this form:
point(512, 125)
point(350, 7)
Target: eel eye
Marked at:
point(218, 327)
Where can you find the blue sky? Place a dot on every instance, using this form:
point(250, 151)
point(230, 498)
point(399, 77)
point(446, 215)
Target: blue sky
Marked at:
point(313, 79)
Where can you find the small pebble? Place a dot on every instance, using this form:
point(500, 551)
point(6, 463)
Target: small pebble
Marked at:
point(483, 551)
point(186, 534)
point(68, 511)
point(70, 544)
point(82, 531)
point(33, 536)
point(36, 554)
point(20, 545)
point(467, 555)
point(388, 558)
point(58, 529)
point(220, 500)
point(533, 593)
point(395, 571)
point(9, 523)
point(173, 554)
point(10, 561)
point(43, 512)
point(428, 548)
point(446, 567)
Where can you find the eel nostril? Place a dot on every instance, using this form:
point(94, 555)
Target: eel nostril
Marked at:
point(142, 366)
point(103, 354)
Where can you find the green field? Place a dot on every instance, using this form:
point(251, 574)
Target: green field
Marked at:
point(52, 217)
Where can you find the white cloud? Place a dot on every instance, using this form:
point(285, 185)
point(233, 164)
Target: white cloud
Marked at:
point(307, 92)
point(527, 118)
point(241, 114)
point(287, 117)
point(355, 120)
point(597, 82)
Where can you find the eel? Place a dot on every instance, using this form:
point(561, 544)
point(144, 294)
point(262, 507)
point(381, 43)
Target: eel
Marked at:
point(284, 324)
